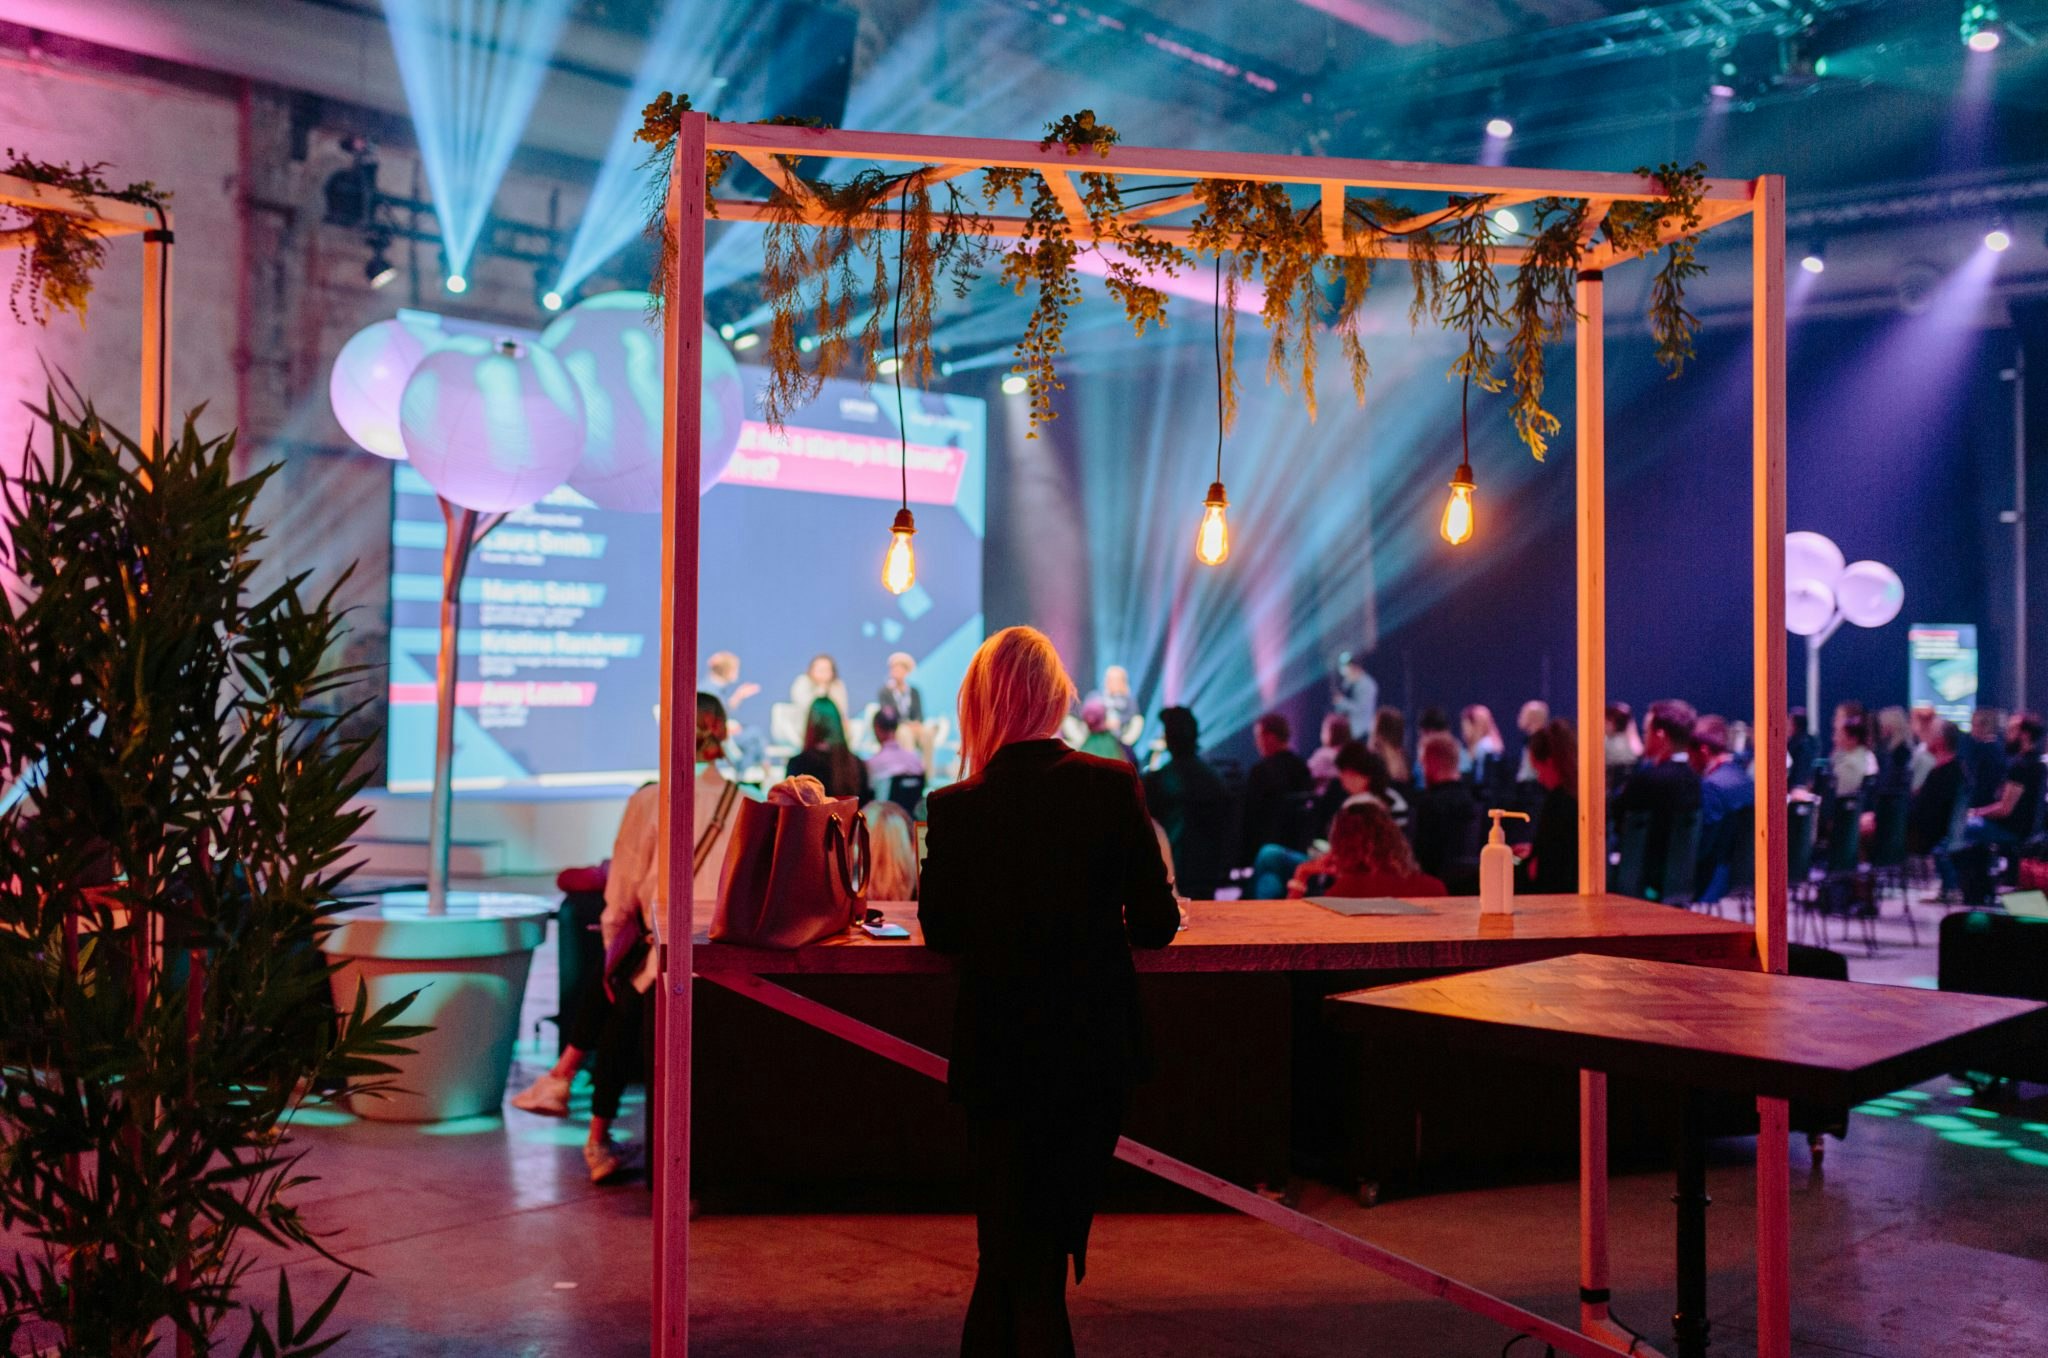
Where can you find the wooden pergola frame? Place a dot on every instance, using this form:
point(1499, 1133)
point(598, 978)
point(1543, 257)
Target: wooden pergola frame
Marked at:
point(118, 217)
point(1724, 200)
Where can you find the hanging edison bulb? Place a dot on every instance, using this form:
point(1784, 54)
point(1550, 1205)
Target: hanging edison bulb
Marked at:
point(899, 568)
point(1457, 524)
point(1212, 539)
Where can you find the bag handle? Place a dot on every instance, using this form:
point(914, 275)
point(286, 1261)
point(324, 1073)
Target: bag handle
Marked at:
point(846, 848)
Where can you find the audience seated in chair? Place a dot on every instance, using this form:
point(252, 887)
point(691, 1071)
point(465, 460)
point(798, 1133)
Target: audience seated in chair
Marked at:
point(892, 852)
point(1361, 777)
point(1665, 786)
point(1187, 797)
point(1446, 818)
point(1273, 809)
point(1725, 788)
point(1369, 857)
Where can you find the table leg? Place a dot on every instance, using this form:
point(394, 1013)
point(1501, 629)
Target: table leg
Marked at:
point(1689, 1322)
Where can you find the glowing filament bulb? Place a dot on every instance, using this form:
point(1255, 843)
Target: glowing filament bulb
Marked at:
point(1457, 524)
point(1212, 540)
point(899, 568)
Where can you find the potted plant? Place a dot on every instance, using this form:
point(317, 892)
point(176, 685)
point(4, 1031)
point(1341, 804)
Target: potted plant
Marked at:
point(171, 835)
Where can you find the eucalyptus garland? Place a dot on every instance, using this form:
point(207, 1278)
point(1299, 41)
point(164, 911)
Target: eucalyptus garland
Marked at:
point(60, 252)
point(827, 269)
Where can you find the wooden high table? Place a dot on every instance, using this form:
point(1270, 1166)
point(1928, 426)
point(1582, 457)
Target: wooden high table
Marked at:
point(1762, 1035)
point(1449, 934)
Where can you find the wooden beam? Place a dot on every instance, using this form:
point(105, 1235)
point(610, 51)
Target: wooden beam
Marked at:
point(1062, 186)
point(110, 216)
point(1768, 698)
point(682, 429)
point(1495, 202)
point(1397, 1267)
point(1182, 164)
point(1012, 228)
point(776, 172)
point(156, 337)
point(1164, 207)
point(1591, 502)
point(1333, 218)
point(1596, 211)
point(1711, 216)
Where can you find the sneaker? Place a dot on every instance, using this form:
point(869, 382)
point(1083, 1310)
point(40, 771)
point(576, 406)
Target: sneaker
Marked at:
point(547, 1096)
point(608, 1158)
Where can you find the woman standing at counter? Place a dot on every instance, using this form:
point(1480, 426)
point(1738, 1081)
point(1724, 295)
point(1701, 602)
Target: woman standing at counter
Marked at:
point(1041, 873)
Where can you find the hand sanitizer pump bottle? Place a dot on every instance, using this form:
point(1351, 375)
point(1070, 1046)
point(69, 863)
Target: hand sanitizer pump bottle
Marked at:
point(1497, 869)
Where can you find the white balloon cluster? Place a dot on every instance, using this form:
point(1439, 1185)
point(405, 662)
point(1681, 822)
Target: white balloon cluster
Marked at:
point(1821, 588)
point(494, 424)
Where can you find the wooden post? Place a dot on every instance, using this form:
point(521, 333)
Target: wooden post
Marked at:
point(1767, 532)
point(156, 336)
point(1591, 536)
point(1592, 582)
point(682, 425)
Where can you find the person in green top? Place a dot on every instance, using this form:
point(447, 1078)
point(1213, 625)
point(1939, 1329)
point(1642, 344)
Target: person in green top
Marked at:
point(1101, 741)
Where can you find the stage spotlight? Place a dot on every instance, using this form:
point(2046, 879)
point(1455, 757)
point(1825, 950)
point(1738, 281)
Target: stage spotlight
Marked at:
point(1721, 89)
point(1499, 128)
point(1998, 240)
point(1982, 29)
point(887, 366)
point(456, 283)
point(805, 344)
point(1014, 385)
point(1506, 220)
point(1815, 260)
point(946, 368)
point(726, 332)
point(551, 300)
point(742, 343)
point(378, 270)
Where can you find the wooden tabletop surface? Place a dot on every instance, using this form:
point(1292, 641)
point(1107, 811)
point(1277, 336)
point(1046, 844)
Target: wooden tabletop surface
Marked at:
point(1298, 936)
point(1782, 1036)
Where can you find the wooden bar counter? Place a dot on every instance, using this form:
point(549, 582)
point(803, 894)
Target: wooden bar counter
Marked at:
point(1251, 1082)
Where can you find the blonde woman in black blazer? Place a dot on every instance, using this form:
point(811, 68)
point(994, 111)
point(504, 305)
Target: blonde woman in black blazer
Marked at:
point(1042, 872)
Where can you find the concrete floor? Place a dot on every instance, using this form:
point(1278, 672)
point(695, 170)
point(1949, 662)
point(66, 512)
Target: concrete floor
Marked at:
point(1927, 1235)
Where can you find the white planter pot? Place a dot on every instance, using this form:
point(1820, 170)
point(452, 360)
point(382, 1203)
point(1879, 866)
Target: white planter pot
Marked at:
point(470, 967)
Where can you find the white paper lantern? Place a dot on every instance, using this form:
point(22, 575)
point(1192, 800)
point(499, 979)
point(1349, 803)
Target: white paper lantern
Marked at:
point(368, 380)
point(1870, 593)
point(615, 354)
point(492, 426)
point(1812, 556)
point(1809, 606)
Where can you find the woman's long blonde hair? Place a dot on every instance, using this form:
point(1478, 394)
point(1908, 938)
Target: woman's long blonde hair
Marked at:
point(1016, 688)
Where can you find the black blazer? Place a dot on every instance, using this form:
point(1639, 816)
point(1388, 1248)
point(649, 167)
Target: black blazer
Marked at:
point(1041, 872)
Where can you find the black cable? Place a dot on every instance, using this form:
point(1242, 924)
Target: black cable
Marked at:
point(896, 341)
point(1216, 328)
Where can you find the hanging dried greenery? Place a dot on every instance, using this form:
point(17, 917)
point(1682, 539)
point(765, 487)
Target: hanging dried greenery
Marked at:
point(1638, 226)
point(60, 252)
point(825, 267)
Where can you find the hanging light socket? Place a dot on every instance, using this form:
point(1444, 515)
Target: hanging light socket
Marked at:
point(899, 568)
point(1212, 540)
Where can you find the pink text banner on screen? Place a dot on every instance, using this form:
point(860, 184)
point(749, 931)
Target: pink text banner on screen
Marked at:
point(828, 462)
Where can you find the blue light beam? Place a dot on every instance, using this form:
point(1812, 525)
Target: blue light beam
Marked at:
point(692, 43)
point(472, 70)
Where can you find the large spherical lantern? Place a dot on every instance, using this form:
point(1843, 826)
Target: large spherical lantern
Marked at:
point(1812, 556)
point(492, 425)
point(369, 378)
point(1809, 605)
point(614, 352)
point(1870, 593)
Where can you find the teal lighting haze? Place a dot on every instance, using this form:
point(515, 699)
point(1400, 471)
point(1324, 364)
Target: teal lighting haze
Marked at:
point(1333, 523)
point(472, 70)
point(693, 41)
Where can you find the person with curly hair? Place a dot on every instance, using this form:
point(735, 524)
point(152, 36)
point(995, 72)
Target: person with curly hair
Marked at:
point(1372, 858)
